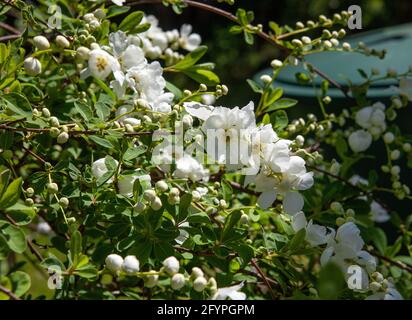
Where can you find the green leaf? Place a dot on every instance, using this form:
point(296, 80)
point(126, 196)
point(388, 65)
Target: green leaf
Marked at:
point(341, 147)
point(184, 206)
point(101, 142)
point(200, 75)
point(272, 96)
point(134, 152)
point(21, 213)
point(231, 221)
point(142, 249)
point(87, 271)
point(113, 11)
point(18, 104)
point(282, 104)
point(84, 110)
point(75, 247)
point(235, 29)
point(4, 180)
point(131, 21)
point(12, 194)
point(379, 239)
point(242, 16)
point(227, 190)
point(279, 120)
point(255, 86)
point(14, 236)
point(175, 90)
point(297, 240)
point(275, 27)
point(21, 282)
point(191, 58)
point(249, 39)
point(331, 282)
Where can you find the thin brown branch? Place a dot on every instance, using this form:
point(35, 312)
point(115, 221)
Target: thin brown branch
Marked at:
point(9, 293)
point(264, 278)
point(9, 37)
point(398, 264)
point(9, 28)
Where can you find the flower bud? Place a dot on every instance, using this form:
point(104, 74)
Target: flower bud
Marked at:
point(395, 154)
point(114, 262)
point(149, 195)
point(30, 191)
point(41, 42)
point(187, 121)
point(178, 281)
point(151, 280)
point(82, 53)
point(54, 132)
point(32, 66)
point(131, 265)
point(266, 78)
point(161, 186)
point(52, 188)
point(275, 64)
point(54, 122)
point(156, 204)
point(197, 272)
point(62, 42)
point(139, 207)
point(388, 137)
point(244, 219)
point(29, 202)
point(199, 284)
point(64, 202)
point(171, 265)
point(62, 138)
point(406, 147)
point(174, 192)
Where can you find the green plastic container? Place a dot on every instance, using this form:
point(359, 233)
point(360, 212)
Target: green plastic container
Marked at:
point(342, 66)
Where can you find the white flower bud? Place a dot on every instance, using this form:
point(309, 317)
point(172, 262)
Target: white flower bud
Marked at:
point(62, 138)
point(99, 13)
point(156, 204)
point(149, 195)
point(114, 262)
point(187, 121)
point(131, 265)
point(306, 40)
point(300, 140)
point(171, 265)
point(406, 147)
point(266, 78)
point(197, 272)
point(196, 195)
point(54, 122)
point(346, 46)
point(327, 44)
point(199, 284)
point(139, 207)
point(62, 42)
point(151, 280)
point(388, 137)
point(32, 66)
point(395, 170)
point(52, 188)
point(244, 219)
point(64, 202)
point(161, 186)
point(174, 192)
point(83, 53)
point(395, 154)
point(41, 42)
point(178, 281)
point(275, 64)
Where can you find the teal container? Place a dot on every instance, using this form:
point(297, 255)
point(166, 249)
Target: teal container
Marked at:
point(343, 66)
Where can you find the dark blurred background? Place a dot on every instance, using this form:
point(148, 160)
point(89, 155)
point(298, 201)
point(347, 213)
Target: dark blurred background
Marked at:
point(237, 61)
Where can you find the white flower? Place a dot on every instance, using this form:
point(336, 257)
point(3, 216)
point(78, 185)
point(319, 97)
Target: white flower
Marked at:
point(119, 2)
point(99, 169)
point(178, 281)
point(372, 118)
point(151, 280)
point(101, 64)
point(316, 234)
point(183, 234)
point(126, 183)
point(32, 66)
point(131, 265)
point(360, 140)
point(378, 213)
point(189, 41)
point(114, 262)
point(233, 293)
point(188, 167)
point(43, 228)
point(389, 294)
point(171, 265)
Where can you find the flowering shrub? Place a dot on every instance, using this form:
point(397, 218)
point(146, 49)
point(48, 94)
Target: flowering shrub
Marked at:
point(117, 183)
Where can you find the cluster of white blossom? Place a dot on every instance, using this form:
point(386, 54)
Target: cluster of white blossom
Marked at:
point(344, 247)
point(130, 265)
point(274, 168)
point(372, 121)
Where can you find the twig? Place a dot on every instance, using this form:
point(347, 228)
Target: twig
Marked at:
point(262, 275)
point(9, 37)
point(9, 293)
point(9, 28)
point(398, 264)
